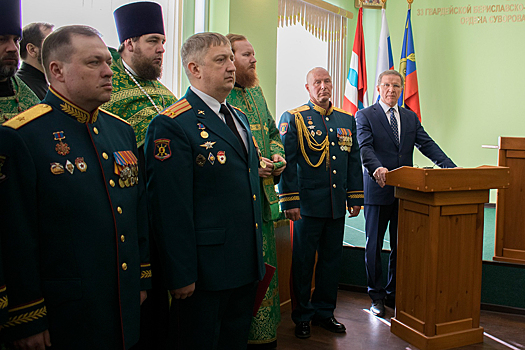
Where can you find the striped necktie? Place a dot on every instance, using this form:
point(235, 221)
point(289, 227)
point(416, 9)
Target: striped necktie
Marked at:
point(393, 125)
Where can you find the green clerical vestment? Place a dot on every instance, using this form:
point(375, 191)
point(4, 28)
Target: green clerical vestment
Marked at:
point(23, 99)
point(252, 102)
point(131, 98)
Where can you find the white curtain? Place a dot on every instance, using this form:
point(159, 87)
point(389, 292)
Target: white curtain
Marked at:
point(324, 25)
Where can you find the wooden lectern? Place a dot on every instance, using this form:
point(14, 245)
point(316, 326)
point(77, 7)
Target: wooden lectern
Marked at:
point(510, 221)
point(440, 239)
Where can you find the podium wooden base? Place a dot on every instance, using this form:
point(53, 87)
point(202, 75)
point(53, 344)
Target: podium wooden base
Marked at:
point(439, 253)
point(444, 341)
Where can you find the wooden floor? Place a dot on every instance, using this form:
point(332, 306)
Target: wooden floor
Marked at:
point(367, 332)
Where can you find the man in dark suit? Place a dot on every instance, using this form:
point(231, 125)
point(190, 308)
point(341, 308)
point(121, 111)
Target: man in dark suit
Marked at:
point(203, 186)
point(387, 135)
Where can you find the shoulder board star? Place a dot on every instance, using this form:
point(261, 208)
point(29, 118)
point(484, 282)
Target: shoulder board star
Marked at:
point(28, 116)
point(343, 111)
point(114, 116)
point(177, 109)
point(299, 109)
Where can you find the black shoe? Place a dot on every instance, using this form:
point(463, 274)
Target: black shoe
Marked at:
point(302, 330)
point(378, 308)
point(390, 301)
point(330, 324)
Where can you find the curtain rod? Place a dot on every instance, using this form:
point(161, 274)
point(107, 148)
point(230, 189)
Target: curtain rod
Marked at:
point(332, 8)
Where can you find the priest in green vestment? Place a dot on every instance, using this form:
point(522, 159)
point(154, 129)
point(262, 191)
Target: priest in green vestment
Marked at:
point(138, 95)
point(248, 96)
point(15, 96)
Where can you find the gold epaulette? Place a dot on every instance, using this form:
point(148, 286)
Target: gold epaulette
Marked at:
point(28, 116)
point(343, 111)
point(299, 109)
point(177, 108)
point(114, 116)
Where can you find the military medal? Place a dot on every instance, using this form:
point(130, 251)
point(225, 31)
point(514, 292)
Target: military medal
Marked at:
point(126, 167)
point(319, 132)
point(204, 133)
point(201, 160)
point(221, 157)
point(208, 144)
point(70, 167)
point(57, 168)
point(211, 158)
point(81, 165)
point(313, 133)
point(309, 118)
point(62, 148)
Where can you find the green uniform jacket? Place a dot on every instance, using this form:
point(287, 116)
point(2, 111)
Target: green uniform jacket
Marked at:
point(329, 178)
point(76, 248)
point(252, 102)
point(131, 103)
point(204, 198)
point(23, 99)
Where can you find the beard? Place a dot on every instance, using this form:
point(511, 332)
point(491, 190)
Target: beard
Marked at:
point(8, 70)
point(246, 78)
point(144, 67)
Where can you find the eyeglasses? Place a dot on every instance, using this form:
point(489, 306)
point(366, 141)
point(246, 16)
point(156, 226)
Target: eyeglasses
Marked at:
point(395, 86)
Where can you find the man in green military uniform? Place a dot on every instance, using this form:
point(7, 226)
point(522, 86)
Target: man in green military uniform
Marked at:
point(137, 97)
point(15, 95)
point(248, 96)
point(203, 188)
point(322, 181)
point(137, 94)
point(76, 259)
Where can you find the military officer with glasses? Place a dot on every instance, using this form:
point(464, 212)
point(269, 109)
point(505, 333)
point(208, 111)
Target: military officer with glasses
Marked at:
point(387, 134)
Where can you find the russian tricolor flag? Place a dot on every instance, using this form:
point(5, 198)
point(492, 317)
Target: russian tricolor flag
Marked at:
point(356, 97)
point(410, 95)
point(385, 60)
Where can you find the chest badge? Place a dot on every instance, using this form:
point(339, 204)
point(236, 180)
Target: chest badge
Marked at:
point(70, 167)
point(201, 160)
point(81, 165)
point(62, 148)
point(221, 157)
point(208, 144)
point(57, 168)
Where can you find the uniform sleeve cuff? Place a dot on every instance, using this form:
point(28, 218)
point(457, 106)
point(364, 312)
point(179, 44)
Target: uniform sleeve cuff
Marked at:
point(26, 320)
point(289, 200)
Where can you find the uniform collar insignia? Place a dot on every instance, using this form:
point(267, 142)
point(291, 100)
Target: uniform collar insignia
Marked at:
point(81, 115)
point(321, 110)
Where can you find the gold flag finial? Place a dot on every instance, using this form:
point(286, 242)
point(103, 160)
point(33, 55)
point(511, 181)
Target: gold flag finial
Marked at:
point(383, 3)
point(410, 3)
point(360, 3)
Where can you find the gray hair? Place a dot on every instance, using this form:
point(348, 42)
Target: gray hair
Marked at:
point(196, 47)
point(390, 72)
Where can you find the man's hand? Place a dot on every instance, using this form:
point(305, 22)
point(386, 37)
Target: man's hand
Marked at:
point(380, 176)
point(354, 211)
point(276, 159)
point(184, 292)
point(143, 296)
point(266, 171)
point(293, 214)
point(35, 342)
